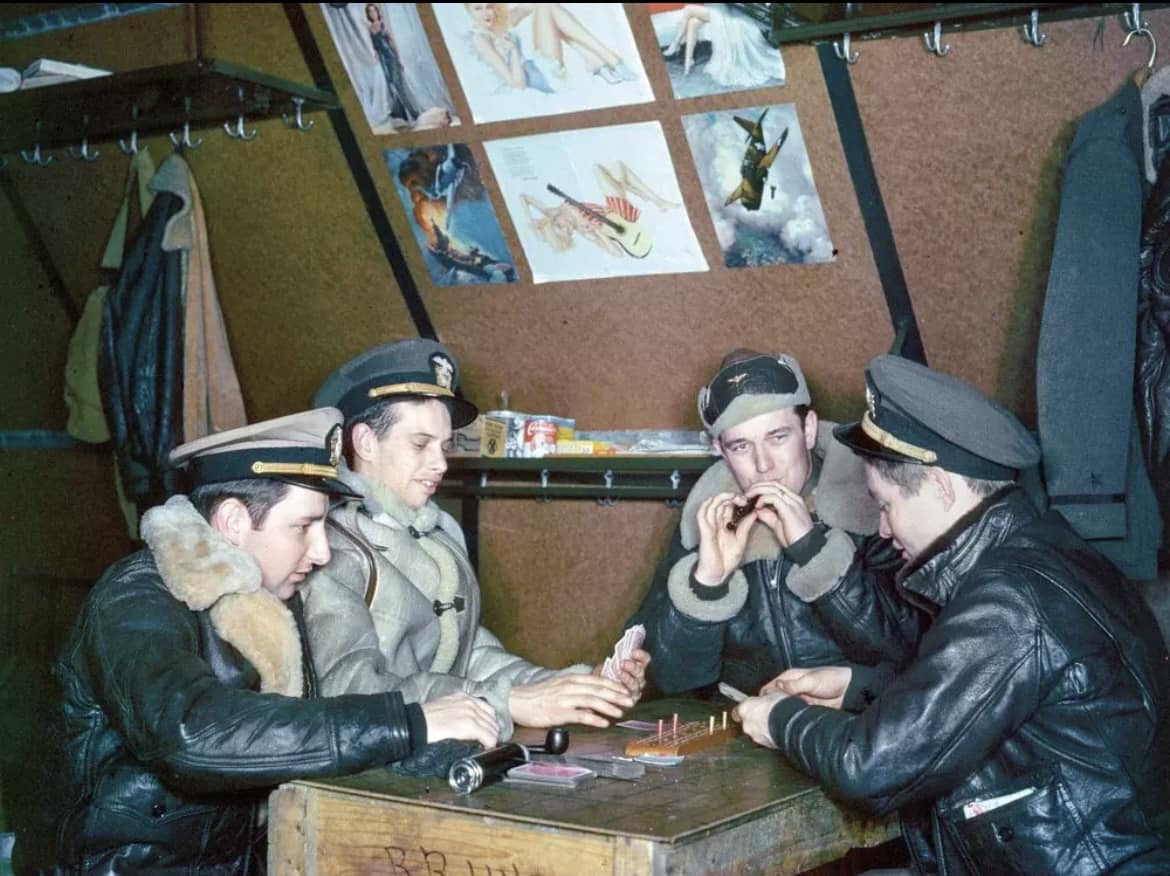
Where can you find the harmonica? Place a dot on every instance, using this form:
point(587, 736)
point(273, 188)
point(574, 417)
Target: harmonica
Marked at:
point(739, 512)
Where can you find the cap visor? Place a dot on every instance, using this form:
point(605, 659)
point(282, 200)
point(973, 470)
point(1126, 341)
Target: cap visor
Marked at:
point(462, 412)
point(856, 439)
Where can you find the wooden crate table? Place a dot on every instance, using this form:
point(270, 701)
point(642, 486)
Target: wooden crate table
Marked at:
point(730, 808)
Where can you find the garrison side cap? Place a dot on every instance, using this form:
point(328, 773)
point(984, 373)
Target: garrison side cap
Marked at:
point(916, 414)
point(748, 386)
point(301, 449)
point(415, 368)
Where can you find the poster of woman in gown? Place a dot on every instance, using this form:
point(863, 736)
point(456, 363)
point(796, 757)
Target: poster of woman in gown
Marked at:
point(711, 48)
point(600, 202)
point(390, 63)
point(450, 215)
point(519, 60)
point(759, 186)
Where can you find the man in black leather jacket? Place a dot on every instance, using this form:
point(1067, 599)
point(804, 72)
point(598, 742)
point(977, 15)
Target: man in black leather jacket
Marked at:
point(188, 692)
point(801, 578)
point(1028, 733)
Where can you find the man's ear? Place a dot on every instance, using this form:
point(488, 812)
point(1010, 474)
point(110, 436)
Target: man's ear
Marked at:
point(811, 423)
point(717, 445)
point(941, 482)
point(362, 439)
point(231, 518)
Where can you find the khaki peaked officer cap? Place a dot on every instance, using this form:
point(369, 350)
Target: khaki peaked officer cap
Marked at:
point(918, 415)
point(416, 368)
point(301, 449)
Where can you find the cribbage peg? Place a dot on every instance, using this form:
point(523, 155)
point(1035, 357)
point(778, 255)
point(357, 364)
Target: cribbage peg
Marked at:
point(659, 728)
point(675, 726)
point(711, 728)
point(725, 720)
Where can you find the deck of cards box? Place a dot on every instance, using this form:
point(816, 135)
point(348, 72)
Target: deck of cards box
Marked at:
point(556, 774)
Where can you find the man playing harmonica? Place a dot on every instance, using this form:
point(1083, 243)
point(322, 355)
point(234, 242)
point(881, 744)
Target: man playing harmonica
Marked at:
point(776, 562)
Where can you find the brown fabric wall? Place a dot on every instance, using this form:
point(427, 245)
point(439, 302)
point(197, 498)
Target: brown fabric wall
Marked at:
point(967, 149)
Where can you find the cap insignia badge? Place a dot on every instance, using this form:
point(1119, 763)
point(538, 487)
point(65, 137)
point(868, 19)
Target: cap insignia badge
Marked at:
point(444, 370)
point(333, 442)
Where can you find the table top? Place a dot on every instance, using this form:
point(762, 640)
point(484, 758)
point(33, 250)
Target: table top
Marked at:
point(717, 787)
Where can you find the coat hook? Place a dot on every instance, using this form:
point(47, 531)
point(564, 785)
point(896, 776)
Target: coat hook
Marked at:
point(34, 157)
point(239, 133)
point(936, 45)
point(1133, 18)
point(185, 140)
point(608, 500)
point(132, 149)
point(841, 48)
point(299, 123)
point(1032, 31)
point(544, 486)
point(83, 152)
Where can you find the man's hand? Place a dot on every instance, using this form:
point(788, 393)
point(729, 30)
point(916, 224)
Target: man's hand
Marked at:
point(461, 716)
point(783, 510)
point(824, 686)
point(720, 549)
point(569, 699)
point(753, 714)
point(631, 672)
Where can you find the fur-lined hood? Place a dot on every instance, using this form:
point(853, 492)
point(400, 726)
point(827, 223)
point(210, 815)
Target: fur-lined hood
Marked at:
point(840, 497)
point(205, 571)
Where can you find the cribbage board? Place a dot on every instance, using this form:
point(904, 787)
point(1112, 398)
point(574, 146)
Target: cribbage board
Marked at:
point(690, 737)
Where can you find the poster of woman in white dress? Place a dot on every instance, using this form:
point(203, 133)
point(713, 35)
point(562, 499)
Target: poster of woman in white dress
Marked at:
point(450, 215)
point(519, 60)
point(598, 202)
point(759, 186)
point(391, 65)
point(711, 48)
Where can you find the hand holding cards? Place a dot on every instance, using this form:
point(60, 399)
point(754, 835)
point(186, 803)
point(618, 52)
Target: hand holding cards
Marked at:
point(630, 642)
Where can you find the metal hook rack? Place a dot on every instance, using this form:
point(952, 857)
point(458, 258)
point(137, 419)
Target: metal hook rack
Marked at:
point(605, 479)
point(174, 99)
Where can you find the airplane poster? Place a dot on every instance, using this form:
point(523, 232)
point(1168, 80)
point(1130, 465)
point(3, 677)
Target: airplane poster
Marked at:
point(450, 215)
point(758, 183)
point(710, 48)
point(599, 202)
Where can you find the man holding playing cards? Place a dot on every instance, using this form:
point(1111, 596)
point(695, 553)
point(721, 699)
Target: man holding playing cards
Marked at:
point(398, 605)
point(776, 562)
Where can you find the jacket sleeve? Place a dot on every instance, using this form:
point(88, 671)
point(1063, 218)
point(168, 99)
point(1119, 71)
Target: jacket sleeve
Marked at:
point(142, 653)
point(684, 634)
point(974, 681)
point(850, 582)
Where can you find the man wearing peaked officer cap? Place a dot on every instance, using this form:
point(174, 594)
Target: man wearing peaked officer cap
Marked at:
point(1028, 733)
point(398, 606)
point(776, 561)
point(187, 686)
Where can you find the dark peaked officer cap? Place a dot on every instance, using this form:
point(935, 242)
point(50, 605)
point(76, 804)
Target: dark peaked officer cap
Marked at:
point(301, 449)
point(416, 368)
point(915, 414)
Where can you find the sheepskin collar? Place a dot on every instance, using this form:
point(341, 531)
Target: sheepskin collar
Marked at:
point(206, 572)
point(839, 496)
point(384, 504)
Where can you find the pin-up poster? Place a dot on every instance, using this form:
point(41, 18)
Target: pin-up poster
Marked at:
point(450, 215)
point(711, 48)
point(759, 186)
point(390, 63)
point(518, 60)
point(600, 202)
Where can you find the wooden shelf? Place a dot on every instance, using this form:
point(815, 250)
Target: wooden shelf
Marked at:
point(662, 477)
point(205, 93)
